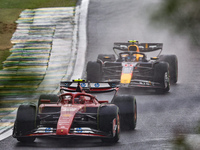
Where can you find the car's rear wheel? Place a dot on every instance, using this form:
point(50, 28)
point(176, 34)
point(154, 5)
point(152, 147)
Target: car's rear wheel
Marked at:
point(128, 110)
point(109, 122)
point(94, 72)
point(44, 98)
point(161, 75)
point(25, 123)
point(173, 66)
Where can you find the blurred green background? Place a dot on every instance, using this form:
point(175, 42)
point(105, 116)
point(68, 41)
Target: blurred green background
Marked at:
point(182, 15)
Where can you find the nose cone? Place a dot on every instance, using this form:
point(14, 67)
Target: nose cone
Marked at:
point(125, 78)
point(65, 121)
point(64, 124)
point(62, 131)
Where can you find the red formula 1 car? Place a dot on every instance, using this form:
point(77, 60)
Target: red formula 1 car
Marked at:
point(75, 112)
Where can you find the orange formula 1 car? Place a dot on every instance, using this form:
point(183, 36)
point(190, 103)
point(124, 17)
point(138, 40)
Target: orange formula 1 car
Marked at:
point(75, 112)
point(132, 68)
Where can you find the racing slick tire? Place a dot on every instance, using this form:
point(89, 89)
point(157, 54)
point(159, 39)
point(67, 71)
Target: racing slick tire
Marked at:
point(173, 66)
point(109, 122)
point(25, 122)
point(106, 57)
point(128, 111)
point(94, 71)
point(51, 97)
point(161, 75)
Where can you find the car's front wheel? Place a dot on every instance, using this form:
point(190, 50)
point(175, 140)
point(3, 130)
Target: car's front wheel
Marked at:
point(25, 123)
point(128, 110)
point(161, 75)
point(109, 122)
point(173, 66)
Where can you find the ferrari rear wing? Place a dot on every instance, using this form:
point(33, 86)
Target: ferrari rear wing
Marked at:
point(88, 87)
point(143, 47)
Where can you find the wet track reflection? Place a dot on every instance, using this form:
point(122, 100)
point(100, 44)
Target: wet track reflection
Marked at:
point(159, 115)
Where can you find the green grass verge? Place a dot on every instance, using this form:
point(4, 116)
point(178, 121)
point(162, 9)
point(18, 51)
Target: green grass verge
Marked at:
point(9, 13)
point(3, 55)
point(31, 4)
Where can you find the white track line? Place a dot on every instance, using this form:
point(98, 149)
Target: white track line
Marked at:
point(82, 43)
point(6, 134)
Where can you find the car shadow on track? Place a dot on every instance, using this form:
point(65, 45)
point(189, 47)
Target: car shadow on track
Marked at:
point(145, 91)
point(46, 143)
point(139, 91)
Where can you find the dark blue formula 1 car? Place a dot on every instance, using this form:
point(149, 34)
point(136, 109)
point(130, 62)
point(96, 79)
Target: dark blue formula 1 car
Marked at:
point(132, 68)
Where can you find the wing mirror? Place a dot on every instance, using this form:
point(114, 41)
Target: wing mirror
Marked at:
point(154, 58)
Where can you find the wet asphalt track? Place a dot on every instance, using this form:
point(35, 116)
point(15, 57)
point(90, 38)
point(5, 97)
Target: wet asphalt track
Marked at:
point(158, 115)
